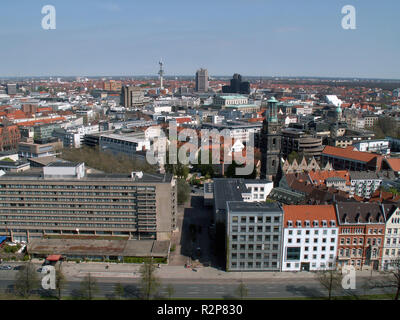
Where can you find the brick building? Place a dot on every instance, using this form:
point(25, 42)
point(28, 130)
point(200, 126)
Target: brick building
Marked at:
point(9, 137)
point(361, 234)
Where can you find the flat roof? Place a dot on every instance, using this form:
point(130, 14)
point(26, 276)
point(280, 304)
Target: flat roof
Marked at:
point(88, 247)
point(37, 174)
point(251, 207)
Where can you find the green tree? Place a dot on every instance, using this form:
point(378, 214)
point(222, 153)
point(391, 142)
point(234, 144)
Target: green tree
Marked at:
point(88, 287)
point(183, 191)
point(149, 283)
point(26, 280)
point(294, 155)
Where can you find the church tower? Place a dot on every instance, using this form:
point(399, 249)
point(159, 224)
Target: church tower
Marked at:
point(270, 142)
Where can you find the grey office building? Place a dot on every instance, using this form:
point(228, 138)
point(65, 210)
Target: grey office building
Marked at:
point(202, 80)
point(11, 88)
point(254, 236)
point(63, 199)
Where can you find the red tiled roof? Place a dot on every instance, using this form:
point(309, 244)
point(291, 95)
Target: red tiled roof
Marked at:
point(394, 163)
point(319, 177)
point(348, 153)
point(308, 212)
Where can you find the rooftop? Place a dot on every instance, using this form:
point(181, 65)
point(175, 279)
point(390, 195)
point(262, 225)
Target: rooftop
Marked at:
point(252, 207)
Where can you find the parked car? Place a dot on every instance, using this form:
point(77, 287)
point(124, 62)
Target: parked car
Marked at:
point(5, 267)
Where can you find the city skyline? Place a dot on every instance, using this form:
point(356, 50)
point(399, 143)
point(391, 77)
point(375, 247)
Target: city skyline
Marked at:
point(103, 38)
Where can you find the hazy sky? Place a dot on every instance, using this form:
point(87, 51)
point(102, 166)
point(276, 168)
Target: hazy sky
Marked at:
point(251, 37)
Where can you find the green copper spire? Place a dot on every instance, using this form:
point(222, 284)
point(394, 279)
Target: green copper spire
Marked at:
point(272, 110)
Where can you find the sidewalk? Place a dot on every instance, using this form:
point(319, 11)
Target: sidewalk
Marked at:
point(179, 272)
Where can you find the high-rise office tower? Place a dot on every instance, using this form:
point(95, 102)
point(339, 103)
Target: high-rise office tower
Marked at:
point(126, 96)
point(11, 88)
point(202, 80)
point(237, 86)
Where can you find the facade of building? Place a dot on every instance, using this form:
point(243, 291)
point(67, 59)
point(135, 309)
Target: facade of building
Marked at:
point(112, 85)
point(254, 236)
point(391, 245)
point(238, 130)
point(9, 137)
point(364, 183)
point(202, 80)
point(62, 199)
point(300, 142)
point(35, 150)
point(132, 97)
point(375, 146)
point(309, 238)
point(237, 85)
point(44, 131)
point(361, 235)
point(128, 144)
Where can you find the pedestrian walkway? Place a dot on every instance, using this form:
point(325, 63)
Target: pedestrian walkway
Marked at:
point(180, 272)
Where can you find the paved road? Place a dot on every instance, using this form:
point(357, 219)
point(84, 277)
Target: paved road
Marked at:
point(207, 288)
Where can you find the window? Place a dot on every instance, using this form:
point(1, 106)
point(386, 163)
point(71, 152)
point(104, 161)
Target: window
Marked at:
point(290, 223)
point(293, 253)
point(307, 223)
point(315, 223)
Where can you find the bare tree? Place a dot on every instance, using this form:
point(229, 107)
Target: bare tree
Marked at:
point(330, 279)
point(241, 290)
point(390, 279)
point(149, 282)
point(88, 287)
point(60, 281)
point(26, 280)
point(170, 290)
point(119, 290)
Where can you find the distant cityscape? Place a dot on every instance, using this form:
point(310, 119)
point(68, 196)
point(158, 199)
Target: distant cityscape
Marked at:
point(323, 194)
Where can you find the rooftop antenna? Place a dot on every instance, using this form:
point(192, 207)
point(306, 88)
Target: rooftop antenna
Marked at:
point(161, 73)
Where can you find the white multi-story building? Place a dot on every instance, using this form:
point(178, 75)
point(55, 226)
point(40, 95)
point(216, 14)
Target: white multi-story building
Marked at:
point(310, 234)
point(127, 144)
point(364, 183)
point(237, 130)
point(230, 100)
point(376, 146)
point(391, 244)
